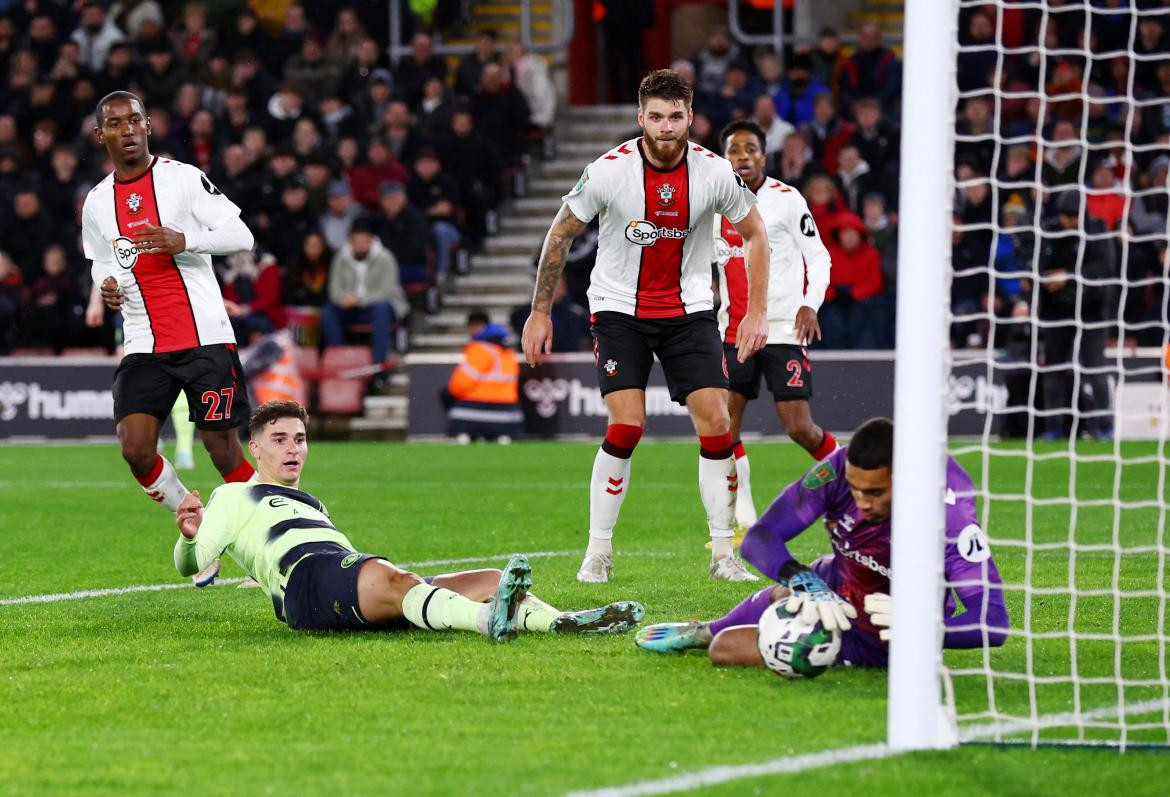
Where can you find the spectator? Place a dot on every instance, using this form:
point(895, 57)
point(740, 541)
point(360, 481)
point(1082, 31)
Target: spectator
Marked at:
point(29, 235)
point(55, 301)
point(95, 35)
point(530, 76)
point(367, 58)
point(346, 38)
point(43, 40)
point(735, 97)
point(380, 167)
point(292, 221)
point(11, 282)
point(712, 61)
point(776, 130)
point(434, 115)
point(570, 321)
point(1066, 304)
point(972, 253)
point(339, 217)
point(162, 77)
point(252, 293)
point(238, 177)
point(306, 139)
point(623, 26)
point(854, 314)
point(337, 119)
point(824, 201)
point(471, 65)
point(1106, 202)
point(364, 288)
point(483, 395)
point(308, 276)
point(60, 184)
point(319, 177)
point(285, 107)
point(977, 59)
point(404, 231)
point(977, 128)
point(1062, 157)
point(501, 113)
point(416, 68)
point(311, 70)
point(797, 97)
point(288, 43)
point(770, 70)
point(879, 145)
point(246, 36)
point(827, 132)
point(436, 194)
point(872, 71)
point(373, 102)
point(193, 39)
point(795, 165)
point(826, 59)
point(474, 161)
point(883, 232)
point(399, 133)
point(854, 176)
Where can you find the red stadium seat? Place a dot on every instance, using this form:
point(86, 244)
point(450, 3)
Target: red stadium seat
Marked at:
point(338, 392)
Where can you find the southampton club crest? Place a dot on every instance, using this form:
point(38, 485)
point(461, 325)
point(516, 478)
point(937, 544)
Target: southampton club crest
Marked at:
point(611, 367)
point(666, 195)
point(134, 203)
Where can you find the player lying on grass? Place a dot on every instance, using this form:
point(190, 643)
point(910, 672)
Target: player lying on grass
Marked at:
point(283, 538)
point(853, 491)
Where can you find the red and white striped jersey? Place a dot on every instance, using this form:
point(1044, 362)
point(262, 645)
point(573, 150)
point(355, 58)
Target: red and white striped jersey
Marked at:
point(798, 270)
point(170, 302)
point(654, 244)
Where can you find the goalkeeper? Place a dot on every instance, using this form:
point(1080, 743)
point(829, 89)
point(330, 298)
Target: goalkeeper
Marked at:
point(849, 589)
point(283, 537)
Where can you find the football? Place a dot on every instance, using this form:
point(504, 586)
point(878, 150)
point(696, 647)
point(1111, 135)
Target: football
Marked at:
point(794, 648)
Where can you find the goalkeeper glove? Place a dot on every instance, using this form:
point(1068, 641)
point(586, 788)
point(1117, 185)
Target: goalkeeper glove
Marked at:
point(812, 599)
point(877, 606)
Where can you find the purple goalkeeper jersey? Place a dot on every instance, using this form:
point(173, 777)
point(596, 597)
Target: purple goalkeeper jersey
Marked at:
point(861, 549)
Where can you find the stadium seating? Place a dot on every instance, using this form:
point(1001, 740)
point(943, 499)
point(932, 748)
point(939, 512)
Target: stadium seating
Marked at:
point(344, 374)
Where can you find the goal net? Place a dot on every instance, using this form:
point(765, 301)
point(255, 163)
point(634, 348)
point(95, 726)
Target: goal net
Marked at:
point(1054, 375)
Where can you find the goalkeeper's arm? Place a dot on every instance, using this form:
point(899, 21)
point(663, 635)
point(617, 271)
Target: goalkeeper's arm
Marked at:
point(973, 628)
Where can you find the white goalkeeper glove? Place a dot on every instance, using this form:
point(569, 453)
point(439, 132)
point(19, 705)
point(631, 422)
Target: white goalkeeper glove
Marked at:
point(812, 599)
point(877, 606)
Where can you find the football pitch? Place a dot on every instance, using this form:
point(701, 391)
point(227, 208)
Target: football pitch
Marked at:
point(160, 690)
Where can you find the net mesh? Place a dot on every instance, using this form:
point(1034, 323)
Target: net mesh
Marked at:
point(1057, 386)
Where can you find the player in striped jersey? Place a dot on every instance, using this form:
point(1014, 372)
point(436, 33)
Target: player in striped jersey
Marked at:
point(150, 228)
point(798, 276)
point(650, 295)
point(284, 538)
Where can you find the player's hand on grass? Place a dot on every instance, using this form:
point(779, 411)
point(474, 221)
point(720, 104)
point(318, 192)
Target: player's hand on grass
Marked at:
point(807, 326)
point(537, 337)
point(111, 293)
point(751, 335)
point(189, 515)
point(159, 240)
point(813, 600)
point(877, 606)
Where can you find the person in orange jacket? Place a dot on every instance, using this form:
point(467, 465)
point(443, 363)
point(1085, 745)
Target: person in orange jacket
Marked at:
point(483, 394)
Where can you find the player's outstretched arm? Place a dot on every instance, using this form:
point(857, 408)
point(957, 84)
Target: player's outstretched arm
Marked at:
point(752, 333)
point(536, 339)
point(188, 517)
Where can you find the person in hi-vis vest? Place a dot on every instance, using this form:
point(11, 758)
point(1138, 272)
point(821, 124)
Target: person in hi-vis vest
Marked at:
point(483, 394)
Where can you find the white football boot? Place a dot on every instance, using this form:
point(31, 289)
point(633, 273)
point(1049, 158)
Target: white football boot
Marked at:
point(597, 568)
point(731, 568)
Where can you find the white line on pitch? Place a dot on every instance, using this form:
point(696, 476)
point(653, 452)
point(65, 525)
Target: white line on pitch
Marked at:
point(101, 593)
point(722, 774)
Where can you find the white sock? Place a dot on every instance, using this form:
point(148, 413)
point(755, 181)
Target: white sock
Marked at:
point(535, 615)
point(717, 488)
point(166, 488)
point(602, 546)
point(607, 490)
point(438, 609)
point(745, 509)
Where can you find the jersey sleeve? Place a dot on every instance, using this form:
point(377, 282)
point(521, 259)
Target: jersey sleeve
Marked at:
point(793, 511)
point(588, 197)
point(208, 204)
point(733, 198)
point(816, 255)
point(971, 575)
point(96, 249)
point(218, 528)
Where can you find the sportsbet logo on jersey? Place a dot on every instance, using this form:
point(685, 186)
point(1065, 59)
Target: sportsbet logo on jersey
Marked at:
point(124, 252)
point(645, 233)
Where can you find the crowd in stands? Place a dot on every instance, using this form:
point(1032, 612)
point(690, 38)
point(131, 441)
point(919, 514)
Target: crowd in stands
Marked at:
point(334, 155)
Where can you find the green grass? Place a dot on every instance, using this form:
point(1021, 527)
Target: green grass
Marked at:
point(158, 692)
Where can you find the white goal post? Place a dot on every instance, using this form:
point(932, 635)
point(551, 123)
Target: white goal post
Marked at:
point(1074, 238)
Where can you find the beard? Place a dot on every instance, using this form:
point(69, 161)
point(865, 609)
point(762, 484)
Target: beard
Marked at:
point(665, 151)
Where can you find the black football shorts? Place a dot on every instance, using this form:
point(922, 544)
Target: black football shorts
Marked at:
point(211, 376)
point(786, 368)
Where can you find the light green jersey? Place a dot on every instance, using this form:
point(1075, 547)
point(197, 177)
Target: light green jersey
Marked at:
point(257, 524)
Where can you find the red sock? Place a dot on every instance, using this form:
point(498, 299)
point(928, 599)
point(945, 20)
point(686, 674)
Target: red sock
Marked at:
point(738, 450)
point(240, 474)
point(620, 439)
point(155, 472)
point(715, 446)
point(828, 446)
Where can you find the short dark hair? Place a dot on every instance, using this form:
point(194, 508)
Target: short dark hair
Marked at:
point(478, 316)
point(742, 124)
point(872, 446)
point(271, 411)
point(116, 95)
point(664, 84)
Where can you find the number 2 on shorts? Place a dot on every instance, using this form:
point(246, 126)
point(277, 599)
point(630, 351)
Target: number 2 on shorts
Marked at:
point(210, 397)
